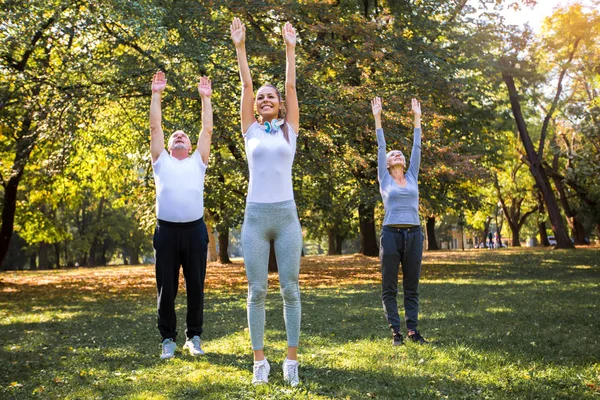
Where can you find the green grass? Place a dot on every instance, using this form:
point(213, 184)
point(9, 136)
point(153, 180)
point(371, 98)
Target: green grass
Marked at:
point(505, 324)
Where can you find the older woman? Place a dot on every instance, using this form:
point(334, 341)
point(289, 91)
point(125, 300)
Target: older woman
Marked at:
point(271, 212)
point(401, 236)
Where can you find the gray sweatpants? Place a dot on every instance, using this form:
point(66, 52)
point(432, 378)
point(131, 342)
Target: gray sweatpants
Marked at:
point(264, 222)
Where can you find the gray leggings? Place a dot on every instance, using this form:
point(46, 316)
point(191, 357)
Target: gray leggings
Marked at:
point(264, 222)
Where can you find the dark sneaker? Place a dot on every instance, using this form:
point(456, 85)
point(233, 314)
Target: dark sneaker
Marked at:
point(416, 337)
point(398, 339)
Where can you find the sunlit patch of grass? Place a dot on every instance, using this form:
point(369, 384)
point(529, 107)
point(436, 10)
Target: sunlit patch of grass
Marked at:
point(514, 324)
point(580, 267)
point(496, 310)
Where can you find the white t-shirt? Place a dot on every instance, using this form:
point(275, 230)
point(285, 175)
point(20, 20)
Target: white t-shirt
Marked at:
point(270, 159)
point(179, 187)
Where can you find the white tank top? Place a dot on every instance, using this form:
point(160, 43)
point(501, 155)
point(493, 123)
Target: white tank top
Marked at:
point(270, 159)
point(179, 187)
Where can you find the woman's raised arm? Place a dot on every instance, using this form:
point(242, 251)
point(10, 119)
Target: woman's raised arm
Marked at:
point(238, 35)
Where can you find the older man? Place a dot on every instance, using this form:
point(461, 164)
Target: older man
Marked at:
point(180, 238)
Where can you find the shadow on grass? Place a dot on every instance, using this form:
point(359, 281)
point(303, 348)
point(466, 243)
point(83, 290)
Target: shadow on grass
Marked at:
point(529, 311)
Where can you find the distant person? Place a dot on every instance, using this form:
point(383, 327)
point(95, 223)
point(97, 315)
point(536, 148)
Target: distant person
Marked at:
point(491, 240)
point(401, 235)
point(271, 212)
point(180, 238)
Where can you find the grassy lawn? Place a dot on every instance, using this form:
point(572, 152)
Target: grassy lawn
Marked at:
point(504, 324)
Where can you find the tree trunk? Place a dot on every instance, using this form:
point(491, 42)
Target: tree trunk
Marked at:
point(541, 222)
point(57, 253)
point(339, 241)
point(103, 257)
point(577, 229)
point(93, 261)
point(32, 261)
point(66, 252)
point(224, 245)
point(588, 198)
point(334, 241)
point(43, 256)
point(93, 251)
point(134, 256)
point(368, 239)
point(486, 230)
point(26, 140)
point(330, 242)
point(543, 235)
point(212, 243)
point(9, 206)
point(515, 237)
point(272, 257)
point(430, 227)
point(513, 213)
point(516, 222)
point(536, 167)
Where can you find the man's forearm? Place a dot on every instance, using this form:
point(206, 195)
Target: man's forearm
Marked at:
point(155, 112)
point(207, 115)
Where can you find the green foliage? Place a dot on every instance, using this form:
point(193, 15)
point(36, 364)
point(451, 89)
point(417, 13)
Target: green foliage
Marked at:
point(74, 99)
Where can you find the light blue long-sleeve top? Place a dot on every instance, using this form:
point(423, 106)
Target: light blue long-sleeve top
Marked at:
point(401, 204)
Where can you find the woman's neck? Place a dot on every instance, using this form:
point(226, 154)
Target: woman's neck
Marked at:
point(397, 173)
point(267, 118)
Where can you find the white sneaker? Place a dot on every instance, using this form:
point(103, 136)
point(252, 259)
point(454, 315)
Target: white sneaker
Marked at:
point(261, 372)
point(193, 345)
point(168, 349)
point(290, 372)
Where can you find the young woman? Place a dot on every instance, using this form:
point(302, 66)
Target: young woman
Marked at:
point(270, 208)
point(401, 236)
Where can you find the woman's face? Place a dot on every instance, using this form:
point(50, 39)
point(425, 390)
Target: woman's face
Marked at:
point(267, 103)
point(396, 158)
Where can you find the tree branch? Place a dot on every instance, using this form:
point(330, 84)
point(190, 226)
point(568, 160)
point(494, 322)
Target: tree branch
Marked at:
point(37, 36)
point(524, 216)
point(161, 66)
point(556, 98)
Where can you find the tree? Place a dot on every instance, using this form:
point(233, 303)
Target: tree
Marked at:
point(575, 165)
point(566, 39)
point(46, 60)
point(515, 197)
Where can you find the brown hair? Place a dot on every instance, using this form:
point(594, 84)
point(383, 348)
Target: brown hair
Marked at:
point(280, 112)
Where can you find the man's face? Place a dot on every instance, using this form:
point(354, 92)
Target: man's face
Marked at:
point(179, 140)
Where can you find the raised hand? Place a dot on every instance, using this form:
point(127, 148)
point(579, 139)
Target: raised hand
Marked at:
point(376, 106)
point(416, 108)
point(159, 83)
point(204, 87)
point(289, 34)
point(238, 32)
